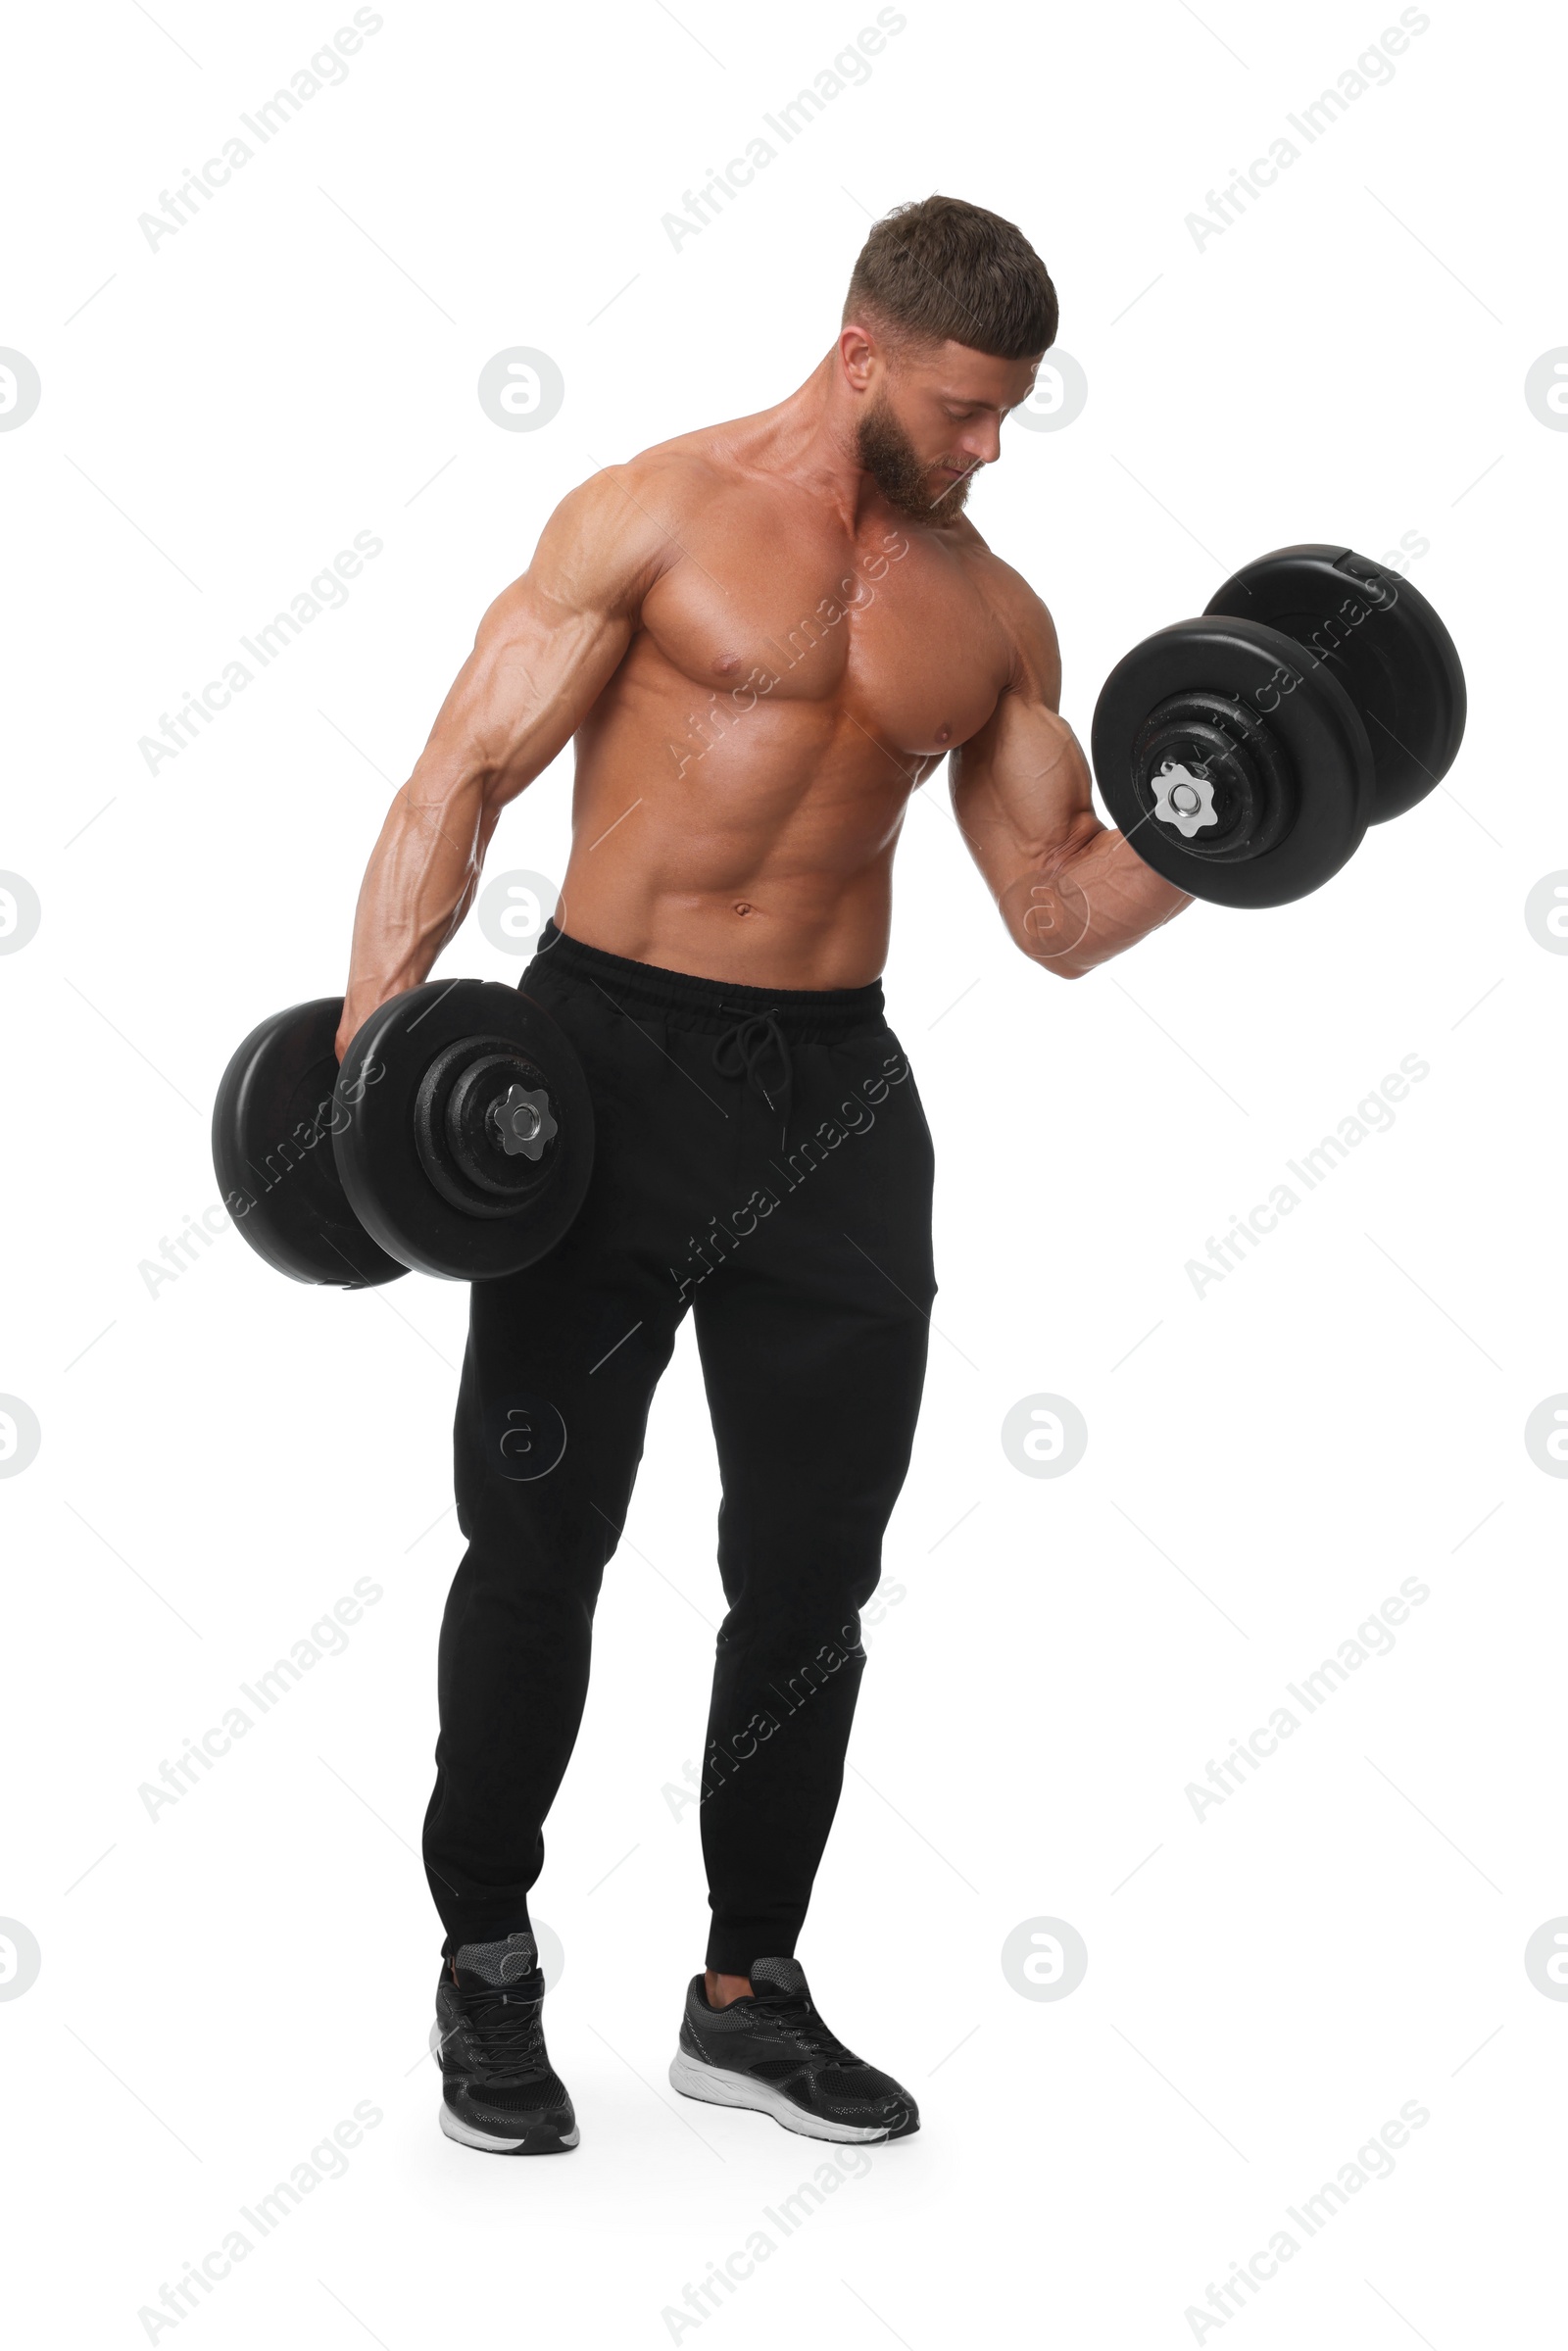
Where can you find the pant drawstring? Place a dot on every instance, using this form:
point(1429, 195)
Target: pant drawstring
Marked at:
point(740, 1053)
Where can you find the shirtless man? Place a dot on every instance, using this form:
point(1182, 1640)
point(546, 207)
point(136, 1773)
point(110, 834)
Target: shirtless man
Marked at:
point(763, 637)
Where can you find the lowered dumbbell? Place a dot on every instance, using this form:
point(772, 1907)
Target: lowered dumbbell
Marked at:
point(1245, 754)
point(456, 1139)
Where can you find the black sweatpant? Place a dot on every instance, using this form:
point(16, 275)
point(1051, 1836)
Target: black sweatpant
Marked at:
point(764, 1160)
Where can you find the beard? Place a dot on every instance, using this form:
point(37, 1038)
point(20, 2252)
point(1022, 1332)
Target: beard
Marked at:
point(886, 452)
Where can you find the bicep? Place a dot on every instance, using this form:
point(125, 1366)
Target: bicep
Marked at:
point(1021, 787)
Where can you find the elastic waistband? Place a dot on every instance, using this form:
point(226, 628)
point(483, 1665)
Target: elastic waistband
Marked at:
point(702, 1003)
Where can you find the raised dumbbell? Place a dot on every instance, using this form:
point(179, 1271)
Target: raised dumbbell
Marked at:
point(1245, 754)
point(456, 1139)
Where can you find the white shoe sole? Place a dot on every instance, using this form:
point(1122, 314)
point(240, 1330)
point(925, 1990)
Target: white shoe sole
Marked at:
point(466, 2136)
point(715, 2088)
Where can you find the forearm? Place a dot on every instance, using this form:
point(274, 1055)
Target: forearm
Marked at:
point(1085, 901)
point(418, 888)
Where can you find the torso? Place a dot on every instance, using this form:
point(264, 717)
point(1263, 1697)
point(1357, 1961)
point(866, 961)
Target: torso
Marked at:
point(742, 780)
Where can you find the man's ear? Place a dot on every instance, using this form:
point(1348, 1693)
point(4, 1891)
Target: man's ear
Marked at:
point(858, 354)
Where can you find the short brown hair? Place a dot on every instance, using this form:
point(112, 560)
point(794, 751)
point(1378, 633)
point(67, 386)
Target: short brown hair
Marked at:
point(943, 270)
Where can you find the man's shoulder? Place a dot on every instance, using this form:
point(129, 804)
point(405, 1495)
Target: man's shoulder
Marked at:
point(626, 525)
point(1005, 590)
point(640, 504)
point(657, 480)
point(1017, 608)
point(625, 520)
point(689, 465)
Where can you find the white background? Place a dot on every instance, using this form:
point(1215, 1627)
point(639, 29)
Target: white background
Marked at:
point(223, 1457)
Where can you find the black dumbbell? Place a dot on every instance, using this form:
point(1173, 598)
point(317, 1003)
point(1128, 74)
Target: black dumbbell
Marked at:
point(1245, 754)
point(456, 1138)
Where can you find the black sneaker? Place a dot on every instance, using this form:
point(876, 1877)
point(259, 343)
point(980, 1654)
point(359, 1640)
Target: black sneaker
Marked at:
point(773, 2053)
point(502, 2092)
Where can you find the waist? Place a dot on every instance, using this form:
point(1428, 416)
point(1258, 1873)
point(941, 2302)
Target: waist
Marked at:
point(701, 1002)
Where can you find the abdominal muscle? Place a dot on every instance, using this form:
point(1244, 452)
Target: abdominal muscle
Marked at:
point(762, 855)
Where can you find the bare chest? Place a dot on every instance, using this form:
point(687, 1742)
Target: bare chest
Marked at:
point(893, 628)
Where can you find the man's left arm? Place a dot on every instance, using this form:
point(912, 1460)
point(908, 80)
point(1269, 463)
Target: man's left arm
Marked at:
point(1071, 892)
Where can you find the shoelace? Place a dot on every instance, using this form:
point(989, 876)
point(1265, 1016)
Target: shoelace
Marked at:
point(741, 1050)
point(799, 2021)
point(509, 2032)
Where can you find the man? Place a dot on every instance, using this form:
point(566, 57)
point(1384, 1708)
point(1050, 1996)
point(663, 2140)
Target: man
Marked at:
point(763, 637)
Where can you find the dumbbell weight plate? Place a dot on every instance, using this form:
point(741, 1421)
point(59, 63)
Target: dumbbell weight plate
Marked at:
point(1383, 643)
point(273, 1150)
point(469, 1149)
point(1236, 768)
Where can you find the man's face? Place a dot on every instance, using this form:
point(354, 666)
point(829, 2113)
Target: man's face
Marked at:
point(931, 418)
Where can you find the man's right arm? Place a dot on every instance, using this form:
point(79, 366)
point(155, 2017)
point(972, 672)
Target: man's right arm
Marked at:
point(1071, 892)
point(544, 653)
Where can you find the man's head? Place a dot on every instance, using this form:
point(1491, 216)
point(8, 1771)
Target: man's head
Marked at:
point(949, 311)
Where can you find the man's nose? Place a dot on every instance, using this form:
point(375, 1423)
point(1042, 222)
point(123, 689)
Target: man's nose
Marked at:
point(981, 445)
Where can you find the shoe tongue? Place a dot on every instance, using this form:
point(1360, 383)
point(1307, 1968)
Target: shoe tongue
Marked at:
point(498, 1963)
point(775, 1977)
